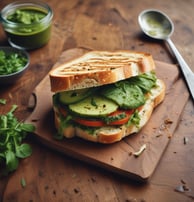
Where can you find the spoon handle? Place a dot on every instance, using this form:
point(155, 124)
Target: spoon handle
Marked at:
point(188, 74)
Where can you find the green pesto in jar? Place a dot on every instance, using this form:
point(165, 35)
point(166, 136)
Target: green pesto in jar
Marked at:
point(29, 31)
point(26, 16)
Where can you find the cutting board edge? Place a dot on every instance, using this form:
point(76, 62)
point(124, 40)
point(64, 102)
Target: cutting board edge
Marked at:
point(89, 161)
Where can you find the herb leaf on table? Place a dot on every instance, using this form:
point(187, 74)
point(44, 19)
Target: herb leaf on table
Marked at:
point(12, 133)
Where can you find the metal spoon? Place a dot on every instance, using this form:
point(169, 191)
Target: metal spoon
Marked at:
point(158, 25)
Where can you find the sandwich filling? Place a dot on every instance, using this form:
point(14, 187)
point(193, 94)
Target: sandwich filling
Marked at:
point(113, 104)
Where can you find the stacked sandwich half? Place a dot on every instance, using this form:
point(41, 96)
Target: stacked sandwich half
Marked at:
point(105, 96)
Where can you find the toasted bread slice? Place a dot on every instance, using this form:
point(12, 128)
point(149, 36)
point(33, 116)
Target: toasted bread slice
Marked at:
point(111, 134)
point(97, 68)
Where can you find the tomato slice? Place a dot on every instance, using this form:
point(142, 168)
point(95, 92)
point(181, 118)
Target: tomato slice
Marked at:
point(91, 123)
point(101, 123)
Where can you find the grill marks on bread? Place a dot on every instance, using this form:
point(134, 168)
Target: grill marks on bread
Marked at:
point(98, 68)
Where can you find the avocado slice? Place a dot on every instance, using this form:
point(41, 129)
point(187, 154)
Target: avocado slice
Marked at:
point(73, 96)
point(93, 106)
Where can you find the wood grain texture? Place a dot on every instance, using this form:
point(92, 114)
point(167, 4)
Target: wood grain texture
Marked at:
point(101, 25)
point(116, 157)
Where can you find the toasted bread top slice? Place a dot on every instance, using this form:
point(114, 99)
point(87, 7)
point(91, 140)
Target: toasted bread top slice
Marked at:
point(97, 68)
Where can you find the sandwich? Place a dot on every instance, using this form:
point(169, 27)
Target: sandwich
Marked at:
point(105, 96)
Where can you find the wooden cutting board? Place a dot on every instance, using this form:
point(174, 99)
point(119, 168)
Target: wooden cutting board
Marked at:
point(117, 157)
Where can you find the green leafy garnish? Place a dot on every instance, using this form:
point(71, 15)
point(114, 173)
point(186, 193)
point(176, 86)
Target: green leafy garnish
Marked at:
point(65, 122)
point(12, 133)
point(11, 62)
point(130, 93)
point(93, 102)
point(145, 81)
point(125, 94)
point(109, 119)
point(134, 119)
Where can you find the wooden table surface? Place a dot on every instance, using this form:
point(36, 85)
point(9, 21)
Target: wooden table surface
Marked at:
point(101, 25)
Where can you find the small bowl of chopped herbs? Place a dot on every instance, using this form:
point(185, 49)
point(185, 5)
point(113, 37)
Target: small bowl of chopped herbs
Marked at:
point(13, 63)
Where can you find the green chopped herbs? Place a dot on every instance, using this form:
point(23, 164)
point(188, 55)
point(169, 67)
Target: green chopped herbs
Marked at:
point(93, 102)
point(11, 62)
point(12, 133)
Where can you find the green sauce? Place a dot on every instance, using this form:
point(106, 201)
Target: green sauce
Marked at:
point(157, 27)
point(30, 41)
point(26, 16)
point(29, 31)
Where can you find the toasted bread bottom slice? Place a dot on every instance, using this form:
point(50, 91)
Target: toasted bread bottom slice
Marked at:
point(111, 134)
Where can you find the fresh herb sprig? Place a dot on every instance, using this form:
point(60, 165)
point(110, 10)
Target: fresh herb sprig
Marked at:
point(11, 62)
point(12, 133)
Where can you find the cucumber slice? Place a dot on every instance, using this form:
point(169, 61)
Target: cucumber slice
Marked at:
point(93, 106)
point(73, 96)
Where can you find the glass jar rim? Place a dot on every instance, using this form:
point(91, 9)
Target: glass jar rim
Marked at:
point(22, 4)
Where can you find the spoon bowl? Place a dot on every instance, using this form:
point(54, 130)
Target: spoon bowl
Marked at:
point(158, 25)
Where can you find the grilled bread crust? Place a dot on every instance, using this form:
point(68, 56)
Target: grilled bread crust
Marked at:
point(111, 134)
point(98, 68)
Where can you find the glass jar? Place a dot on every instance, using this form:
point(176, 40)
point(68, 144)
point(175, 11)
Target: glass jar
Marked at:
point(27, 24)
